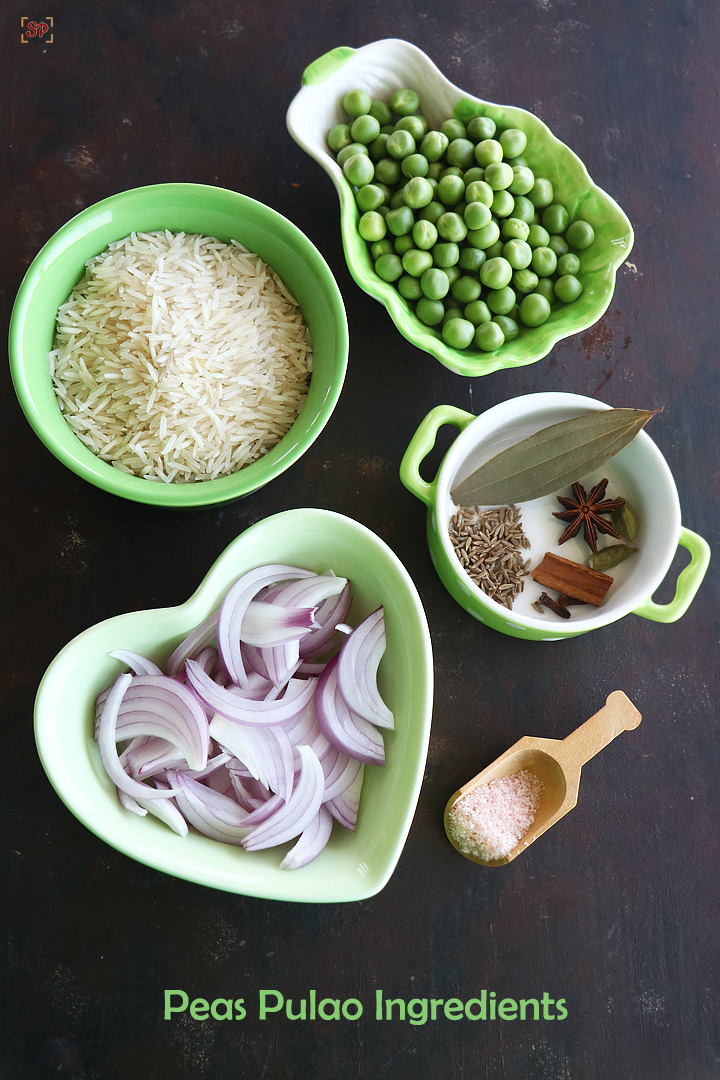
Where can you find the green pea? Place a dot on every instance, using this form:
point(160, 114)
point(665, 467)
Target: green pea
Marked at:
point(414, 165)
point(377, 148)
point(496, 273)
point(477, 215)
point(434, 282)
point(434, 145)
point(484, 237)
point(371, 226)
point(452, 170)
point(453, 273)
point(424, 235)
point(503, 204)
point(382, 112)
point(349, 151)
point(471, 258)
point(400, 221)
point(472, 174)
point(499, 176)
point(404, 102)
point(381, 247)
point(432, 211)
point(359, 170)
point(461, 153)
point(403, 243)
point(430, 312)
point(489, 336)
point(555, 218)
point(466, 289)
point(495, 250)
point(567, 288)
point(452, 310)
point(541, 193)
point(477, 312)
point(513, 142)
point(416, 262)
point(389, 268)
point(524, 281)
point(369, 197)
point(409, 287)
point(523, 180)
point(544, 261)
point(537, 236)
point(479, 191)
point(452, 227)
point(580, 235)
point(339, 136)
point(520, 161)
point(364, 129)
point(546, 287)
point(518, 253)
point(446, 254)
point(397, 199)
point(481, 127)
point(417, 192)
point(435, 170)
point(357, 103)
point(568, 264)
point(534, 310)
point(450, 190)
point(500, 301)
point(523, 209)
point(508, 326)
point(458, 333)
point(488, 152)
point(454, 129)
point(387, 171)
point(558, 244)
point(416, 125)
point(515, 229)
point(400, 144)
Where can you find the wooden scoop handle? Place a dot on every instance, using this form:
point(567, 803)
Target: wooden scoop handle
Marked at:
point(617, 714)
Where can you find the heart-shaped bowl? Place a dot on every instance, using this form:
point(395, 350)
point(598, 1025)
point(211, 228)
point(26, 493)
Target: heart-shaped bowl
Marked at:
point(188, 208)
point(385, 66)
point(355, 865)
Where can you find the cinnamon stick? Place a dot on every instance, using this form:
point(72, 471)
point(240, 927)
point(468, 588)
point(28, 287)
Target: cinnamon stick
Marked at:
point(573, 579)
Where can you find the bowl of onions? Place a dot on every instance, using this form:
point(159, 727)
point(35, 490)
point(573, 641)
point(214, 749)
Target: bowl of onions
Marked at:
point(262, 737)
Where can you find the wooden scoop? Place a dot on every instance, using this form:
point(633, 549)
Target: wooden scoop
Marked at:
point(557, 763)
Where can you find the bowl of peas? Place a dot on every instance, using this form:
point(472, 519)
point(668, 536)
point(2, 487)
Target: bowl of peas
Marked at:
point(481, 233)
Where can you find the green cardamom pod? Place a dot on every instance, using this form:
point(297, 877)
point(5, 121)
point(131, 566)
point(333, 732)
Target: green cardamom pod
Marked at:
point(610, 556)
point(625, 521)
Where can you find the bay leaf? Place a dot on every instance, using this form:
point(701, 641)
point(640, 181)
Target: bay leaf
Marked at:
point(551, 459)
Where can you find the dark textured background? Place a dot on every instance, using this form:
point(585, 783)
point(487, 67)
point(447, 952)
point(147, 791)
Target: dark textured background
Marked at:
point(615, 909)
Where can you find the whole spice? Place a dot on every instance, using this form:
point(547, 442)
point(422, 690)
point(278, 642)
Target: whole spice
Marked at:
point(610, 556)
point(625, 521)
point(587, 510)
point(488, 546)
point(544, 601)
point(573, 579)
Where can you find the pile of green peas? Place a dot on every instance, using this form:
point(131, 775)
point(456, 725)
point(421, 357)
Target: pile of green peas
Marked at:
point(457, 220)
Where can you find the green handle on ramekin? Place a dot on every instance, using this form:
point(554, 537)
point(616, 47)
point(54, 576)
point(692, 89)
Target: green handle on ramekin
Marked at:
point(688, 582)
point(322, 68)
point(422, 443)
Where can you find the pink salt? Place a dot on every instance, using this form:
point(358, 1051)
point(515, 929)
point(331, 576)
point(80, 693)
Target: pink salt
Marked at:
point(492, 819)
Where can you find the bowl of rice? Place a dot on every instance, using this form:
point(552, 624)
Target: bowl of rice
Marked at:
point(178, 344)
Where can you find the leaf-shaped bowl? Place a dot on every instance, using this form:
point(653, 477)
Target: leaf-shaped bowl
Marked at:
point(384, 66)
point(355, 865)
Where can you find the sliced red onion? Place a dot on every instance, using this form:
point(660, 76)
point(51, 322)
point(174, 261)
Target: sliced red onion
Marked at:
point(161, 706)
point(312, 841)
point(244, 710)
point(166, 811)
point(195, 642)
point(342, 776)
point(358, 665)
point(151, 757)
point(107, 745)
point(266, 809)
point(207, 659)
point(267, 752)
point(310, 592)
point(233, 608)
point(212, 814)
point(212, 767)
point(131, 804)
point(334, 610)
point(342, 726)
point(138, 664)
point(296, 814)
point(273, 624)
point(344, 808)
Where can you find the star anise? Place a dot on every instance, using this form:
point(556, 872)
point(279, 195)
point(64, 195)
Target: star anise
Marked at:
point(587, 510)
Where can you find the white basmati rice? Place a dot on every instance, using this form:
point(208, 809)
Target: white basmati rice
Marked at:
point(179, 358)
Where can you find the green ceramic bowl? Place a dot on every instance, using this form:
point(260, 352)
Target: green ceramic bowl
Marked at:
point(193, 208)
point(384, 66)
point(356, 864)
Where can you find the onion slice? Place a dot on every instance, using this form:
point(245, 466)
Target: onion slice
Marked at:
point(296, 814)
point(312, 841)
point(344, 808)
point(212, 814)
point(358, 665)
point(342, 726)
point(244, 710)
point(161, 706)
point(108, 749)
